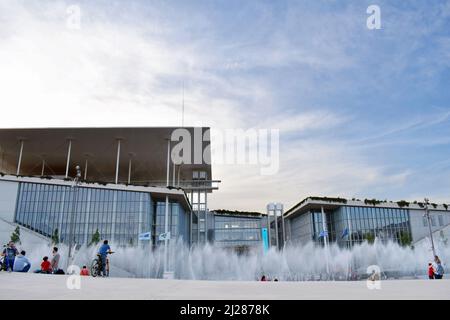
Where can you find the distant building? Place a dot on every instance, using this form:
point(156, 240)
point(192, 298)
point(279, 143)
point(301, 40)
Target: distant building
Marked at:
point(348, 222)
point(236, 230)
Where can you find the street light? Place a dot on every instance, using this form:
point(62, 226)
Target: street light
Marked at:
point(76, 182)
point(427, 214)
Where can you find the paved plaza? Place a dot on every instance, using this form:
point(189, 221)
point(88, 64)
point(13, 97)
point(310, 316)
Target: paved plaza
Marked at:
point(36, 286)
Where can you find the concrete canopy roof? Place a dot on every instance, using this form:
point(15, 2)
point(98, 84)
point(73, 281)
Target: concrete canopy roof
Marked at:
point(146, 146)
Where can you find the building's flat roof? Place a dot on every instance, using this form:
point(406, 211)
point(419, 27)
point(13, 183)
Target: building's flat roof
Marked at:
point(157, 193)
point(223, 212)
point(147, 147)
point(333, 203)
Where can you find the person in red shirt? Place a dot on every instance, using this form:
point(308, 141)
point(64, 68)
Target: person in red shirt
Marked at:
point(84, 271)
point(46, 266)
point(430, 271)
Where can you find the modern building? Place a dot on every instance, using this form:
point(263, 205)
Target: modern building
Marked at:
point(127, 180)
point(348, 222)
point(237, 230)
point(276, 233)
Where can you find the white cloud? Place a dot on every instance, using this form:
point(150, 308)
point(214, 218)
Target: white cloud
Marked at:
point(120, 70)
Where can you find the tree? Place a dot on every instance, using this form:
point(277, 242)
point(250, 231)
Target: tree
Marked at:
point(55, 236)
point(370, 237)
point(405, 238)
point(95, 237)
point(15, 236)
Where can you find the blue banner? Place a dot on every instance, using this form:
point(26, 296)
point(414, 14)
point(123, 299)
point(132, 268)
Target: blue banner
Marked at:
point(265, 239)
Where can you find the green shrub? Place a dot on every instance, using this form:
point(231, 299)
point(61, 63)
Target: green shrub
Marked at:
point(403, 203)
point(15, 236)
point(55, 236)
point(95, 238)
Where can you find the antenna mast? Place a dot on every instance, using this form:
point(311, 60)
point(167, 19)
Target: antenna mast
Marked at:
point(182, 109)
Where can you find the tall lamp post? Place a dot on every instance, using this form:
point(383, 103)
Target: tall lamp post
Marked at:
point(76, 182)
point(427, 214)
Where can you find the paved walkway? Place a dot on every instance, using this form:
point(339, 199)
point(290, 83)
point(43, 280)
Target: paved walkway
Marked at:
point(36, 286)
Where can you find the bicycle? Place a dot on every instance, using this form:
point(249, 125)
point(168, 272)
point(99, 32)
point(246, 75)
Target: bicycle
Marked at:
point(97, 266)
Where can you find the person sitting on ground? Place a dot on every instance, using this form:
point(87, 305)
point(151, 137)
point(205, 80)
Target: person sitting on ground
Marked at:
point(21, 263)
point(55, 260)
point(84, 271)
point(430, 271)
point(46, 266)
point(263, 278)
point(439, 272)
point(10, 253)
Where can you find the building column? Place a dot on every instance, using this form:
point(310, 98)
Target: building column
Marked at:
point(178, 175)
point(140, 229)
point(190, 222)
point(283, 226)
point(43, 167)
point(166, 215)
point(349, 226)
point(3, 153)
point(198, 216)
point(325, 237)
point(69, 150)
point(275, 214)
point(86, 223)
point(114, 216)
point(173, 175)
point(206, 216)
point(85, 168)
point(268, 228)
point(20, 157)
point(129, 170)
point(118, 161)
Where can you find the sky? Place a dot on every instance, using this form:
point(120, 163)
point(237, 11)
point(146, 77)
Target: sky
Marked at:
point(361, 113)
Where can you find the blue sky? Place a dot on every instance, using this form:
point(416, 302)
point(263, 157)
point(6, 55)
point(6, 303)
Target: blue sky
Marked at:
point(362, 113)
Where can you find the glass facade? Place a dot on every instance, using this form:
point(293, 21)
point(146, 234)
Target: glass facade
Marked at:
point(237, 231)
point(349, 225)
point(368, 223)
point(119, 216)
point(178, 221)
